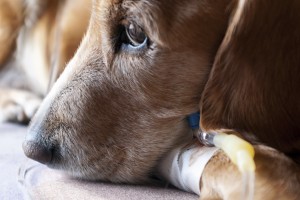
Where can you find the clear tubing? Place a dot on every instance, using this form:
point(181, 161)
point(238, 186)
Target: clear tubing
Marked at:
point(240, 152)
point(206, 138)
point(248, 185)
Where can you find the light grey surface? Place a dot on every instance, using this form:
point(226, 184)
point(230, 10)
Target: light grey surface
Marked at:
point(42, 183)
point(11, 157)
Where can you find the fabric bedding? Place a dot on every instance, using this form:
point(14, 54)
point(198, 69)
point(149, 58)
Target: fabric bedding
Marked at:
point(21, 178)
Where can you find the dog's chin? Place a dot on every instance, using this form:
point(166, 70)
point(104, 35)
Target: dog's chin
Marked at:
point(90, 173)
point(84, 173)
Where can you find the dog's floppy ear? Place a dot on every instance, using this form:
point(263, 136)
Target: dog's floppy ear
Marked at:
point(217, 95)
point(254, 83)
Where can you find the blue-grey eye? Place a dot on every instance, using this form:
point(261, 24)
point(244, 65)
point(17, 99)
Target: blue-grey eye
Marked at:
point(135, 35)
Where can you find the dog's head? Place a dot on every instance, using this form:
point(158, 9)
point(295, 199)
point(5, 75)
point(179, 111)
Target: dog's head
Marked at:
point(122, 101)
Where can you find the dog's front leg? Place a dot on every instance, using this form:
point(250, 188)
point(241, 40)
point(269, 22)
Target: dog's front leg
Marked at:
point(11, 15)
point(277, 177)
point(17, 105)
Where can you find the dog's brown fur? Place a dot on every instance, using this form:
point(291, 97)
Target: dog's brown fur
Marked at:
point(277, 177)
point(114, 113)
point(254, 83)
point(131, 107)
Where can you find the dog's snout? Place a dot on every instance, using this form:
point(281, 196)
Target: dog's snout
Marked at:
point(37, 151)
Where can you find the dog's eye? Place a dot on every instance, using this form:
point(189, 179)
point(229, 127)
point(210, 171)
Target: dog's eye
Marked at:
point(135, 35)
point(133, 38)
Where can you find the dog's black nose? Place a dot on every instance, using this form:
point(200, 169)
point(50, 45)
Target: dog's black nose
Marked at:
point(37, 151)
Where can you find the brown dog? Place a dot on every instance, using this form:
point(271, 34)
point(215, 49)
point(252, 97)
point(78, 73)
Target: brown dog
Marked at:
point(143, 66)
point(37, 37)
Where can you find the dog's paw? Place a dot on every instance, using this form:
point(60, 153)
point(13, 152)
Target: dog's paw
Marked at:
point(18, 106)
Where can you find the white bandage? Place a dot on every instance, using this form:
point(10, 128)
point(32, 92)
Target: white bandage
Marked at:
point(183, 167)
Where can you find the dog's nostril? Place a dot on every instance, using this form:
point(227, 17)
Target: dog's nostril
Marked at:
point(37, 152)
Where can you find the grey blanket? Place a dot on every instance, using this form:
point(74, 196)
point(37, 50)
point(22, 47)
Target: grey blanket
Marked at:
point(21, 178)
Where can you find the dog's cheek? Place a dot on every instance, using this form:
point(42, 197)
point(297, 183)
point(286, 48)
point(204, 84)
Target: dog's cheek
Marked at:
point(105, 131)
point(117, 155)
